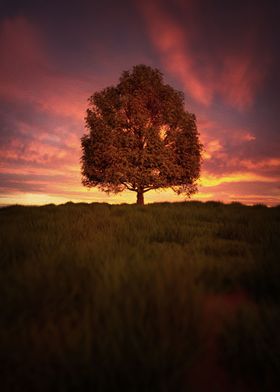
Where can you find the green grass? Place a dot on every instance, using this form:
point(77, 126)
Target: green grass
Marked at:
point(100, 297)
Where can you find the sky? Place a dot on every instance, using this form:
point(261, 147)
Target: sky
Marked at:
point(223, 55)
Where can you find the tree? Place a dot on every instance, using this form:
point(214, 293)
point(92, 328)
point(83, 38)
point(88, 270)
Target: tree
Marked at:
point(140, 137)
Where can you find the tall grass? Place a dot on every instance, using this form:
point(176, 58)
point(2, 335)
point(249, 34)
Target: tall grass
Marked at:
point(108, 297)
point(250, 347)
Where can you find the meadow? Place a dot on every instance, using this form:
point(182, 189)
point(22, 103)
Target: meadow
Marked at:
point(163, 297)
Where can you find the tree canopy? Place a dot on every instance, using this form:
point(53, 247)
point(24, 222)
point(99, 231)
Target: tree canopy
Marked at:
point(140, 137)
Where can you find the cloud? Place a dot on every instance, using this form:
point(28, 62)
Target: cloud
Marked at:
point(234, 155)
point(242, 75)
point(212, 147)
point(210, 180)
point(170, 40)
point(228, 72)
point(27, 72)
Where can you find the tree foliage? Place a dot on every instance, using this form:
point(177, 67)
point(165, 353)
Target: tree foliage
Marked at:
point(140, 137)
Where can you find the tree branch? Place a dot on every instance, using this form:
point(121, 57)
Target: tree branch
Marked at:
point(129, 187)
point(150, 188)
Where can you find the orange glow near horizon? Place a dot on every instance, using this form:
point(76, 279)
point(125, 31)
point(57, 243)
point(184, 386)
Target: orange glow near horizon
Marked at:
point(210, 188)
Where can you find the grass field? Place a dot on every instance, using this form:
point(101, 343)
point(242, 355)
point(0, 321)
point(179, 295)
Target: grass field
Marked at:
point(95, 297)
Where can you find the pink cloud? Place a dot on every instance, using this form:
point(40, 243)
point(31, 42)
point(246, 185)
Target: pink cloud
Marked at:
point(27, 76)
point(46, 149)
point(171, 42)
point(223, 143)
point(27, 73)
point(235, 76)
point(230, 156)
point(241, 78)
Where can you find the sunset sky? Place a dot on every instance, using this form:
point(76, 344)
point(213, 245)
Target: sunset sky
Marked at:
point(224, 56)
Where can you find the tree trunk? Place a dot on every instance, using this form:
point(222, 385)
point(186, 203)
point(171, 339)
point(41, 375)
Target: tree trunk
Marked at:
point(140, 198)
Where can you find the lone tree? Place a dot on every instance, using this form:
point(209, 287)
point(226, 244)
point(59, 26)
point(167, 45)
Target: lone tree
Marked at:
point(140, 137)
